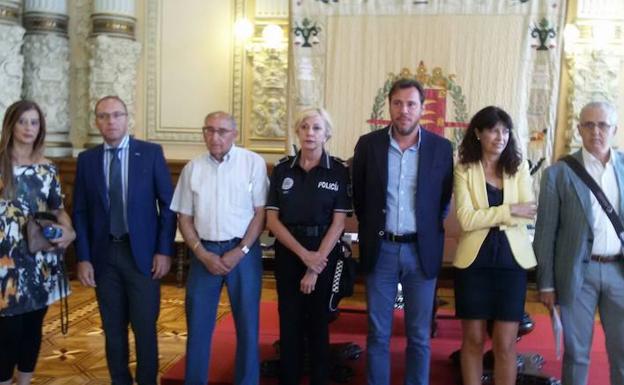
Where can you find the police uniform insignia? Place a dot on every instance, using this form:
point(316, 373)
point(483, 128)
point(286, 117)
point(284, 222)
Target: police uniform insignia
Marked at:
point(282, 160)
point(341, 161)
point(287, 183)
point(328, 185)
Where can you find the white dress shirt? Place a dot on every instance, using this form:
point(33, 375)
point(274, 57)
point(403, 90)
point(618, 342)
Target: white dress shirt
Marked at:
point(606, 241)
point(221, 196)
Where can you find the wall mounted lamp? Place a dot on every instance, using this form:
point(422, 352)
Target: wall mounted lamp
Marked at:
point(271, 36)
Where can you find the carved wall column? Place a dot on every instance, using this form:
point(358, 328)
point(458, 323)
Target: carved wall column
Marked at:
point(594, 58)
point(595, 76)
point(79, 28)
point(46, 68)
point(268, 118)
point(11, 60)
point(267, 54)
point(114, 55)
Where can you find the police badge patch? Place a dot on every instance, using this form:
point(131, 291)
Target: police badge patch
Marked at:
point(287, 183)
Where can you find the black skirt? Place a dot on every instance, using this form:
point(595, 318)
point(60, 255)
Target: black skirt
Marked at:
point(494, 286)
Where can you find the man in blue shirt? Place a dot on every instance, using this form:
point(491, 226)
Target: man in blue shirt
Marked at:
point(402, 184)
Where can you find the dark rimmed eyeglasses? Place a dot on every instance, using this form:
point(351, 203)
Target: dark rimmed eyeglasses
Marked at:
point(603, 126)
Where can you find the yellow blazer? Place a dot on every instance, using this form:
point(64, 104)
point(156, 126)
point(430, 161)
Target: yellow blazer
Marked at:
point(476, 217)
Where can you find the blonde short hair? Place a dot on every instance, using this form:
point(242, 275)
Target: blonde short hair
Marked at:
point(320, 112)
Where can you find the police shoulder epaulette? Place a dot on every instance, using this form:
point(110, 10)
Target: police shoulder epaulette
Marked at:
point(341, 161)
point(282, 160)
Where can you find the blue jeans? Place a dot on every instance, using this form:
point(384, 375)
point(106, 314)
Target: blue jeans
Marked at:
point(398, 263)
point(203, 290)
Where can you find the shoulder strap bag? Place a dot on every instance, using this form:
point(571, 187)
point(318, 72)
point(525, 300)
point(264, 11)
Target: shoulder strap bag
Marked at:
point(582, 173)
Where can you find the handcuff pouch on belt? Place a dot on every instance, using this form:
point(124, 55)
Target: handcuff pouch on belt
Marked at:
point(344, 276)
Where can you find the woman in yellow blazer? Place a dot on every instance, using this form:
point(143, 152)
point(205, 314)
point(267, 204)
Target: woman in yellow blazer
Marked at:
point(494, 202)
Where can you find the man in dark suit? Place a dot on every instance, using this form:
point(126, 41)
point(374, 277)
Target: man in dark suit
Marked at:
point(402, 184)
point(125, 233)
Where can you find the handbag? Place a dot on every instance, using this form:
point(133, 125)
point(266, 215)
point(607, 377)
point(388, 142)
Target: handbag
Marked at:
point(344, 276)
point(38, 242)
point(34, 231)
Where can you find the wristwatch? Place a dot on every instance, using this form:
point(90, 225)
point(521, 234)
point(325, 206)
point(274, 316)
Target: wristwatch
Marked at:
point(244, 249)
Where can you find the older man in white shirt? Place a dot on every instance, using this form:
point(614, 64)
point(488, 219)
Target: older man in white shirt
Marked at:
point(220, 200)
point(579, 253)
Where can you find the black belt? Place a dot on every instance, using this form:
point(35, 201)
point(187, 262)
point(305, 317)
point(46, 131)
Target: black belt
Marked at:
point(307, 231)
point(119, 239)
point(606, 258)
point(399, 238)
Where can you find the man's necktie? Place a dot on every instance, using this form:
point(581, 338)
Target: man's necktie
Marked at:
point(115, 194)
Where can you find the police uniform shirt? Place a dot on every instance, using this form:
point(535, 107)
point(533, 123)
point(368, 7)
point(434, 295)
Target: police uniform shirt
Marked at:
point(309, 198)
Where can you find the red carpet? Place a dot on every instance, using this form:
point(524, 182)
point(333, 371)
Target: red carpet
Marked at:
point(351, 327)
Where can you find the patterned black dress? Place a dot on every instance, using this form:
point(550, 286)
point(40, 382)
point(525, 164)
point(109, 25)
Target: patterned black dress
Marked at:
point(28, 282)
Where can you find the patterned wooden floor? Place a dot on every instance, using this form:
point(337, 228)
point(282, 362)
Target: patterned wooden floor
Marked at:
point(79, 359)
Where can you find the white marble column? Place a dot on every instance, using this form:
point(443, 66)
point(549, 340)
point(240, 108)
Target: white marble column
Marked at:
point(11, 59)
point(80, 28)
point(114, 57)
point(46, 68)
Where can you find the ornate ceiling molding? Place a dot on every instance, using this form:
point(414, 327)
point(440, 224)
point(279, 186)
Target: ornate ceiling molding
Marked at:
point(113, 25)
point(10, 12)
point(113, 18)
point(39, 22)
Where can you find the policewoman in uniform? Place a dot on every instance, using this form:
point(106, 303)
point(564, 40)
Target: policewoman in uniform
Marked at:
point(306, 211)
